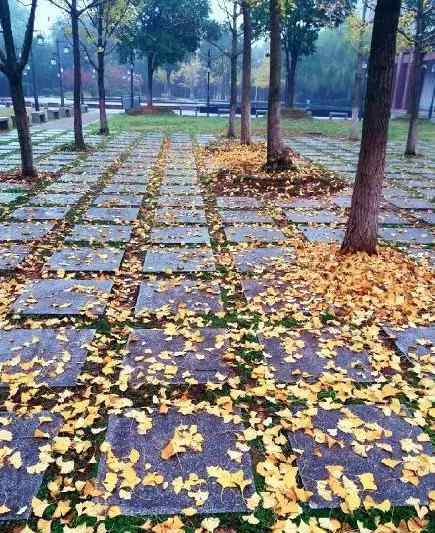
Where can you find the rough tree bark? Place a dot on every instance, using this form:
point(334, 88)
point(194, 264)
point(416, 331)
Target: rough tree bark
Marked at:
point(359, 78)
point(104, 126)
point(150, 65)
point(274, 146)
point(79, 140)
point(13, 66)
point(362, 226)
point(233, 61)
point(416, 82)
point(245, 122)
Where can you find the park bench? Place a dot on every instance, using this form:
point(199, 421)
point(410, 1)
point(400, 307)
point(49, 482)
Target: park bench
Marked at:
point(84, 108)
point(65, 111)
point(338, 114)
point(5, 123)
point(38, 117)
point(53, 114)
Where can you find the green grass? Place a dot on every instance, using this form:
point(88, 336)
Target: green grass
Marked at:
point(217, 125)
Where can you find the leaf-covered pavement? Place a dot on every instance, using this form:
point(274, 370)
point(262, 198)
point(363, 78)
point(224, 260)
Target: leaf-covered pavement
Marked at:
point(176, 361)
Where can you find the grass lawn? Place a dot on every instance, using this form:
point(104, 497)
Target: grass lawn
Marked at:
point(217, 125)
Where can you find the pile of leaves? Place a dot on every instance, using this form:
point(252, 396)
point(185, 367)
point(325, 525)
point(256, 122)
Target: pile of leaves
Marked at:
point(239, 169)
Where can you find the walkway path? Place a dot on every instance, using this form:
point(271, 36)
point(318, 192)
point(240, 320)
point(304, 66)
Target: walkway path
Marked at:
point(164, 351)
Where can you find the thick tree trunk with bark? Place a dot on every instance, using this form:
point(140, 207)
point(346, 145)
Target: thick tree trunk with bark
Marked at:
point(150, 65)
point(245, 122)
point(233, 89)
point(416, 83)
point(104, 126)
point(359, 79)
point(79, 140)
point(12, 66)
point(274, 147)
point(362, 226)
point(22, 124)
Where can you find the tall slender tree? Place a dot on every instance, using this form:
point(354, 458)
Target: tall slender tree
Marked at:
point(245, 121)
point(362, 226)
point(75, 9)
point(101, 27)
point(12, 65)
point(274, 144)
point(418, 29)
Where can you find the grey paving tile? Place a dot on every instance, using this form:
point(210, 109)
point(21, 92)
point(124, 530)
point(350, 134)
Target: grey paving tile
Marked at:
point(63, 297)
point(265, 234)
point(86, 259)
point(55, 199)
point(50, 357)
point(125, 188)
point(180, 235)
point(248, 216)
point(187, 202)
point(112, 214)
point(118, 200)
point(9, 197)
point(12, 256)
point(217, 437)
point(353, 425)
point(179, 260)
point(178, 215)
point(238, 202)
point(39, 213)
point(407, 235)
point(196, 296)
point(411, 203)
point(99, 233)
point(19, 486)
point(314, 217)
point(261, 259)
point(24, 232)
point(322, 234)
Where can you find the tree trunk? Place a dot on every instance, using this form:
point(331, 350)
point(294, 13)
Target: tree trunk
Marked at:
point(416, 82)
point(358, 80)
point(150, 79)
point(22, 124)
point(233, 90)
point(79, 140)
point(245, 122)
point(168, 82)
point(274, 105)
point(362, 226)
point(104, 127)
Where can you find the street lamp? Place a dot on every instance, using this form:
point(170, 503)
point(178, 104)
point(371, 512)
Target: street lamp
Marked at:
point(57, 60)
point(132, 79)
point(208, 80)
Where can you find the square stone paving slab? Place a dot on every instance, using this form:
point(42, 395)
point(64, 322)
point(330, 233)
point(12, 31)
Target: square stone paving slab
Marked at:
point(261, 259)
point(180, 235)
point(55, 199)
point(179, 260)
point(67, 187)
point(251, 216)
point(390, 218)
point(179, 190)
point(79, 179)
point(156, 358)
point(217, 437)
point(314, 217)
point(322, 234)
point(112, 214)
point(99, 233)
point(364, 425)
point(411, 203)
point(18, 486)
point(118, 200)
point(238, 202)
point(9, 197)
point(187, 202)
point(49, 357)
point(39, 213)
point(22, 231)
point(269, 296)
point(63, 297)
point(308, 363)
point(426, 216)
point(308, 203)
point(125, 188)
point(12, 256)
point(265, 234)
point(86, 259)
point(196, 296)
point(407, 235)
point(178, 215)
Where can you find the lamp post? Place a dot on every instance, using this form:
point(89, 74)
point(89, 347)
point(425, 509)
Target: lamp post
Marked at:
point(132, 79)
point(432, 102)
point(57, 60)
point(208, 80)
